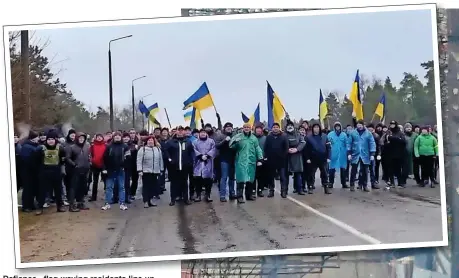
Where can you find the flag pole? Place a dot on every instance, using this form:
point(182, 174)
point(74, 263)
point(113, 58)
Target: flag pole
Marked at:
point(372, 118)
point(167, 115)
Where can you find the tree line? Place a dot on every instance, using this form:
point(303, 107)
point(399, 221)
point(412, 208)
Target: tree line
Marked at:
point(54, 104)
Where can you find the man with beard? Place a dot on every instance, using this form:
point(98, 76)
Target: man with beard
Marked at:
point(248, 156)
point(338, 154)
point(317, 156)
point(361, 149)
point(51, 158)
point(395, 149)
point(296, 144)
point(204, 153)
point(275, 153)
point(227, 158)
point(29, 172)
point(115, 156)
point(374, 172)
point(78, 159)
point(261, 173)
point(410, 137)
point(179, 155)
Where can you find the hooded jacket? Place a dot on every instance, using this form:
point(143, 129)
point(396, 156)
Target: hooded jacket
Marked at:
point(338, 147)
point(316, 146)
point(78, 155)
point(394, 142)
point(97, 153)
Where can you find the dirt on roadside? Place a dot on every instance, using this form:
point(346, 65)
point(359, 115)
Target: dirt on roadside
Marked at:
point(59, 236)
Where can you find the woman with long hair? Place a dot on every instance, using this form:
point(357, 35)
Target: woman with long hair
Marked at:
point(150, 165)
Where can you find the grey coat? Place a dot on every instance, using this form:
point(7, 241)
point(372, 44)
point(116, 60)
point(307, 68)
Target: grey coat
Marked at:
point(150, 160)
point(295, 160)
point(79, 156)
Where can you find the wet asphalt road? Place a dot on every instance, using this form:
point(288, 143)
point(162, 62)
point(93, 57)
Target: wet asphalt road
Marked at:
point(341, 219)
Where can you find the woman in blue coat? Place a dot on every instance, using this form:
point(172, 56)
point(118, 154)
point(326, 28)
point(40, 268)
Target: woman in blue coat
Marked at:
point(361, 149)
point(338, 154)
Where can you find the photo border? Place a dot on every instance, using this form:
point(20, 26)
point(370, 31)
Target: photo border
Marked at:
point(177, 19)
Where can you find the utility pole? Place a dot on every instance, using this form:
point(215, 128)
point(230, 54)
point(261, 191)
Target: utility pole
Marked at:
point(26, 74)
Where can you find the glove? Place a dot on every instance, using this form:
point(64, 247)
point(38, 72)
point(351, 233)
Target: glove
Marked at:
point(372, 158)
point(227, 138)
point(328, 160)
point(378, 157)
point(204, 157)
point(140, 173)
point(259, 163)
point(104, 172)
point(349, 157)
point(308, 161)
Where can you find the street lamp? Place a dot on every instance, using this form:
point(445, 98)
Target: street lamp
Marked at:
point(110, 85)
point(133, 101)
point(143, 116)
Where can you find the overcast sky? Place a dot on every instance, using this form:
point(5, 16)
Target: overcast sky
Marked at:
point(297, 55)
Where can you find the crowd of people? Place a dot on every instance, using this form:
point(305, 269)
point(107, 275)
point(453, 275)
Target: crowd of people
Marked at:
point(242, 162)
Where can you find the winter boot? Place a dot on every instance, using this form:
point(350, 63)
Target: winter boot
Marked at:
point(327, 189)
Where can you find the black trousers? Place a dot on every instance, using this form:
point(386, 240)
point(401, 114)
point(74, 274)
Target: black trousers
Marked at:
point(162, 182)
point(281, 172)
point(363, 175)
point(244, 188)
point(385, 167)
point(395, 170)
point(150, 186)
point(436, 167)
point(193, 185)
point(427, 167)
point(95, 174)
point(217, 169)
point(29, 188)
point(68, 180)
point(313, 166)
point(377, 168)
point(50, 180)
point(179, 184)
point(78, 188)
point(261, 176)
point(331, 176)
point(134, 182)
point(201, 183)
point(127, 184)
point(417, 169)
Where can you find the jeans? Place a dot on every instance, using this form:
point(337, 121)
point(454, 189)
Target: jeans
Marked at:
point(372, 172)
point(297, 181)
point(113, 177)
point(227, 176)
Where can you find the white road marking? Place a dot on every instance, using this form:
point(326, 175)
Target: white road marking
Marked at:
point(335, 221)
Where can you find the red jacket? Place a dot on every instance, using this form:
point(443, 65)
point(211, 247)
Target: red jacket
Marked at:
point(97, 154)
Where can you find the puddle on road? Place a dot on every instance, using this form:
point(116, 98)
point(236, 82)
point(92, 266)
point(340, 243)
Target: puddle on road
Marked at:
point(184, 231)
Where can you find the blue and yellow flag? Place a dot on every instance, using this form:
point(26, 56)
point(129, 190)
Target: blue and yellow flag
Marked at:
point(150, 112)
point(255, 118)
point(143, 109)
point(276, 111)
point(381, 108)
point(245, 119)
point(195, 118)
point(187, 115)
point(323, 109)
point(201, 99)
point(355, 98)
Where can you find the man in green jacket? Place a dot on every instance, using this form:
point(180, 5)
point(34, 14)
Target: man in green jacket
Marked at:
point(248, 157)
point(426, 149)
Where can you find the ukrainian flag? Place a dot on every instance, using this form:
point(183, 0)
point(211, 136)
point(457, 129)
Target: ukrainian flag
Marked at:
point(150, 112)
point(355, 98)
point(187, 116)
point(201, 99)
point(245, 119)
point(323, 109)
point(276, 111)
point(381, 108)
point(195, 118)
point(154, 109)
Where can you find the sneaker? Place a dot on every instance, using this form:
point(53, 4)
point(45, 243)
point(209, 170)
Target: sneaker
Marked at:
point(46, 205)
point(132, 198)
point(106, 206)
point(146, 205)
point(123, 207)
point(66, 203)
point(153, 203)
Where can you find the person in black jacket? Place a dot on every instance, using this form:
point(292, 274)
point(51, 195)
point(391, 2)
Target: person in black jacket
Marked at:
point(317, 154)
point(115, 157)
point(129, 169)
point(395, 149)
point(275, 157)
point(134, 145)
point(29, 172)
point(374, 166)
point(51, 158)
point(227, 159)
point(17, 151)
point(179, 155)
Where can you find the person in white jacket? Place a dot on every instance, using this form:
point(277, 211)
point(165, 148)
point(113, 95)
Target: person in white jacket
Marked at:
point(150, 165)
